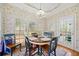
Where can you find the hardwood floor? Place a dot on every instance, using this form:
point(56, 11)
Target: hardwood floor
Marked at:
point(73, 52)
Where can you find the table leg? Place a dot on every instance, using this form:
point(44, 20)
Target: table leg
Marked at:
point(38, 50)
point(41, 50)
point(20, 47)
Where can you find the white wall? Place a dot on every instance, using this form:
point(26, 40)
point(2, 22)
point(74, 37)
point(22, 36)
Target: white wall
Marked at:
point(77, 27)
point(9, 16)
point(54, 25)
point(12, 13)
point(0, 27)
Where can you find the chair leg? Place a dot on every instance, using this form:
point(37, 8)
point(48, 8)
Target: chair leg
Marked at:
point(29, 52)
point(49, 53)
point(54, 52)
point(26, 52)
point(11, 51)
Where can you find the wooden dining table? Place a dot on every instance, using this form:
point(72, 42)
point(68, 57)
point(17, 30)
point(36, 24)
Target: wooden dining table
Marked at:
point(40, 41)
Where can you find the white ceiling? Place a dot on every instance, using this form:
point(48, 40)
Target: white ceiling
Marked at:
point(49, 8)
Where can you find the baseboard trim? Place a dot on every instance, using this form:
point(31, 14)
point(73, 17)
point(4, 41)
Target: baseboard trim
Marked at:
point(68, 48)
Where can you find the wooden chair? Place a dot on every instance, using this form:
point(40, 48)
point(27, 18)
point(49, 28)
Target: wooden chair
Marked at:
point(51, 48)
point(29, 47)
point(34, 35)
point(10, 43)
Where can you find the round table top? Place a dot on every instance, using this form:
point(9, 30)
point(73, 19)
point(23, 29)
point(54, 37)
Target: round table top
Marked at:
point(41, 41)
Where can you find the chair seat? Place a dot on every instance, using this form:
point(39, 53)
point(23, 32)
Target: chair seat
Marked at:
point(13, 45)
